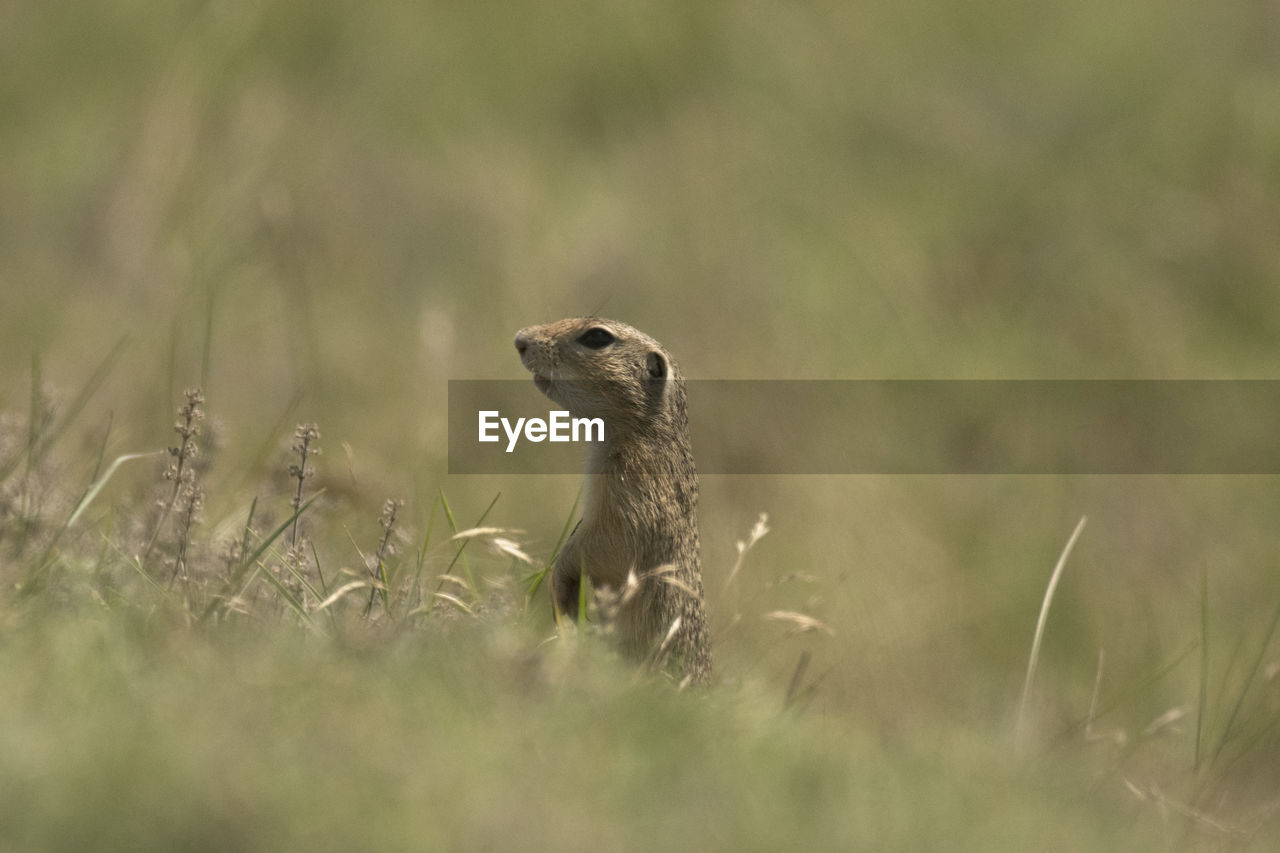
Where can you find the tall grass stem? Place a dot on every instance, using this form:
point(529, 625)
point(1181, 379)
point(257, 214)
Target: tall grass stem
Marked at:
point(1020, 725)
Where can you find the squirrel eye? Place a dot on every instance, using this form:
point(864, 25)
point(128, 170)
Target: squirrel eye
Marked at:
point(596, 338)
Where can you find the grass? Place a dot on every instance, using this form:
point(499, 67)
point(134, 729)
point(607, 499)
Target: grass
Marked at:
point(318, 216)
point(1040, 623)
point(160, 690)
point(261, 739)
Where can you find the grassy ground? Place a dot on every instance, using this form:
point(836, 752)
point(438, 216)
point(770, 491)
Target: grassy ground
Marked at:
point(321, 212)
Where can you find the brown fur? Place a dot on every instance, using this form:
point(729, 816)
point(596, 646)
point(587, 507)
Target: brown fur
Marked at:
point(638, 536)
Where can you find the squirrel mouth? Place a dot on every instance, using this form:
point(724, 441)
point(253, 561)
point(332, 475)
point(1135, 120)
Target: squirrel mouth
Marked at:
point(542, 382)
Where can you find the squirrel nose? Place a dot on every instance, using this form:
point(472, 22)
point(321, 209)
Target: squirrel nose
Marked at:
point(522, 342)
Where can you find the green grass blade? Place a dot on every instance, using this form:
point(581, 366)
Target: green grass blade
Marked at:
point(238, 583)
point(453, 528)
point(40, 440)
point(206, 352)
point(302, 579)
point(315, 555)
point(422, 551)
point(97, 487)
point(584, 593)
point(248, 531)
point(1204, 663)
point(294, 604)
point(534, 581)
point(1123, 696)
point(34, 425)
point(1248, 684)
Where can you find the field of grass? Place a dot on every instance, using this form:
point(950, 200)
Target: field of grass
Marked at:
point(321, 212)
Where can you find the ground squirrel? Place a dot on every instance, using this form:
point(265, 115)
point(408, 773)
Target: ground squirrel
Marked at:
point(639, 530)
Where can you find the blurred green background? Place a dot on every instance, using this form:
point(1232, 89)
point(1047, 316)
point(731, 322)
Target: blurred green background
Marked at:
point(323, 211)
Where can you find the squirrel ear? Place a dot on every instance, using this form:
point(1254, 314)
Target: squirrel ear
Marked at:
point(656, 365)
